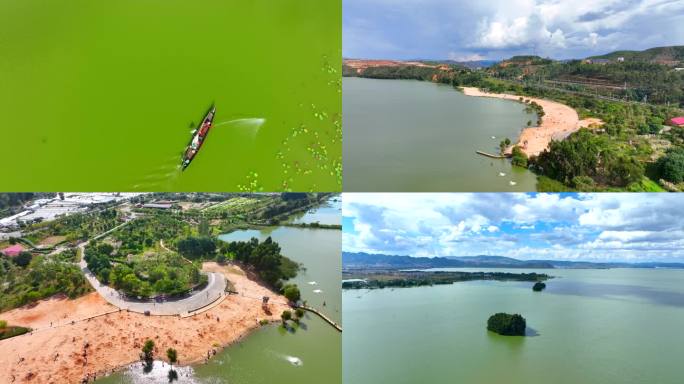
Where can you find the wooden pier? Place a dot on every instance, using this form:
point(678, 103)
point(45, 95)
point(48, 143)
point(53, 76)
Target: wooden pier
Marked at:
point(322, 316)
point(492, 155)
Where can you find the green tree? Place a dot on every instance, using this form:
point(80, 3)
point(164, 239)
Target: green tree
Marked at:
point(203, 228)
point(148, 350)
point(285, 316)
point(172, 355)
point(671, 166)
point(291, 292)
point(518, 157)
point(23, 259)
point(196, 247)
point(221, 258)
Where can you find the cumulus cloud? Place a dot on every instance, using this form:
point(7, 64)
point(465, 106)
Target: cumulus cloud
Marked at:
point(465, 56)
point(523, 31)
point(466, 30)
point(563, 226)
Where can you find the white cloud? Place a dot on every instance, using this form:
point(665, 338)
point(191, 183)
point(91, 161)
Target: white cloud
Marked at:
point(577, 227)
point(465, 57)
point(471, 30)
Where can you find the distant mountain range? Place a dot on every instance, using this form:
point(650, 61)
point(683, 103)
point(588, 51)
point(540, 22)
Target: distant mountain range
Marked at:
point(665, 55)
point(472, 64)
point(657, 54)
point(378, 261)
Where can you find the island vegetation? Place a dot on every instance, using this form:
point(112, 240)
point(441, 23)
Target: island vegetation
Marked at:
point(538, 286)
point(506, 324)
point(405, 279)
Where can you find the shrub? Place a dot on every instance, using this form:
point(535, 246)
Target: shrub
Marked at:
point(23, 259)
point(291, 292)
point(518, 157)
point(671, 166)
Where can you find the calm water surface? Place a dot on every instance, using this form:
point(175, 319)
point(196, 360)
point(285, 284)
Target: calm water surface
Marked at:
point(328, 213)
point(593, 326)
point(103, 94)
point(405, 135)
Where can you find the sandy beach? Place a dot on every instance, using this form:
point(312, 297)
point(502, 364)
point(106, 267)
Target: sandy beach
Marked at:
point(558, 122)
point(87, 336)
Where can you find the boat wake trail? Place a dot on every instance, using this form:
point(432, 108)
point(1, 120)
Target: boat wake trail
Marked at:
point(293, 360)
point(250, 125)
point(160, 178)
point(296, 361)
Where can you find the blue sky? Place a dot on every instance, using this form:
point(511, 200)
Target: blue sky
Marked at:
point(593, 227)
point(495, 29)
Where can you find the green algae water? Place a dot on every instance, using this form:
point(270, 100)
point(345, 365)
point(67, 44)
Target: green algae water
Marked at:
point(312, 354)
point(103, 95)
point(416, 136)
point(592, 327)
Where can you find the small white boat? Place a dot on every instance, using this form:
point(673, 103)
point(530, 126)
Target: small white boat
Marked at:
point(512, 183)
point(502, 174)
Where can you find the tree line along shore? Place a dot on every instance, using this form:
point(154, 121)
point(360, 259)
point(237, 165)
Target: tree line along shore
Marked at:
point(378, 279)
point(626, 143)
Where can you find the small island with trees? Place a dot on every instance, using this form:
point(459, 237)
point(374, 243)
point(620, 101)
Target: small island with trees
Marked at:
point(538, 286)
point(506, 324)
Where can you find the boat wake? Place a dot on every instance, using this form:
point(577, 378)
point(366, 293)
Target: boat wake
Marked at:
point(166, 174)
point(293, 360)
point(162, 177)
point(296, 361)
point(250, 125)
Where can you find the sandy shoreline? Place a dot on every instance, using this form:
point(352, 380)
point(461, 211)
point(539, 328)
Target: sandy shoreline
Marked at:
point(558, 122)
point(54, 352)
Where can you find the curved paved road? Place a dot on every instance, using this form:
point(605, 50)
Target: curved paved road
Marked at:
point(214, 290)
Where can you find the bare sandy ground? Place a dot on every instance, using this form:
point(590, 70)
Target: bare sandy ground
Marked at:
point(559, 122)
point(67, 352)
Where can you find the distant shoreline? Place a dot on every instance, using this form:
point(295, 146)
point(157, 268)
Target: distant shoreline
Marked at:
point(558, 122)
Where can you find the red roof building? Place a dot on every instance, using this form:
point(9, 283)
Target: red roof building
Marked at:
point(678, 121)
point(13, 250)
